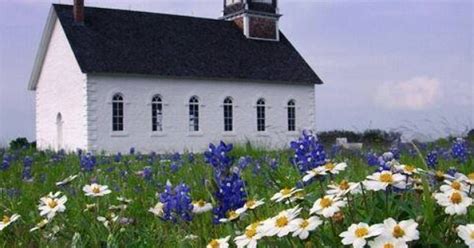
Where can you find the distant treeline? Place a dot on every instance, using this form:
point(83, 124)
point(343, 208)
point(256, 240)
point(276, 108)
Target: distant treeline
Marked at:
point(370, 136)
point(328, 138)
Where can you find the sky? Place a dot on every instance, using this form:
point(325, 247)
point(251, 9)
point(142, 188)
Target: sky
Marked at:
point(391, 64)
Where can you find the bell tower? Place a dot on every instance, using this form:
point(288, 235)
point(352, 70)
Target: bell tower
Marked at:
point(258, 19)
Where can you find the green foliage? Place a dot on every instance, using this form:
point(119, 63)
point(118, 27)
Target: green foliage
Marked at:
point(19, 143)
point(78, 228)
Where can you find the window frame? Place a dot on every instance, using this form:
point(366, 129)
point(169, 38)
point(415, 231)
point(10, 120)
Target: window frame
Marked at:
point(118, 113)
point(157, 113)
point(291, 115)
point(193, 114)
point(228, 114)
point(261, 115)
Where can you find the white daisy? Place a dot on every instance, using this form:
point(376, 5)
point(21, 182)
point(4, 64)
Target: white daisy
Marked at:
point(7, 220)
point(250, 204)
point(387, 242)
point(40, 225)
point(318, 171)
point(469, 178)
point(405, 230)
point(284, 194)
point(106, 221)
point(381, 180)
point(96, 190)
point(219, 243)
point(201, 206)
point(455, 202)
point(455, 185)
point(67, 180)
point(328, 205)
point(343, 188)
point(466, 233)
point(157, 210)
point(52, 204)
point(304, 226)
point(357, 233)
point(334, 169)
point(407, 169)
point(230, 216)
point(250, 237)
point(280, 225)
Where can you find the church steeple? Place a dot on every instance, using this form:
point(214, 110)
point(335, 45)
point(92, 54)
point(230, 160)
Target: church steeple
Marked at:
point(258, 19)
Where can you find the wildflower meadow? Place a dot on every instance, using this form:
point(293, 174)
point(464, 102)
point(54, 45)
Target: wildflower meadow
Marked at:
point(406, 195)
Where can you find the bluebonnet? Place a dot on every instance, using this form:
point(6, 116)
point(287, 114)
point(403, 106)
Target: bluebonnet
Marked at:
point(452, 171)
point(309, 152)
point(459, 150)
point(27, 164)
point(395, 152)
point(5, 163)
point(372, 159)
point(244, 162)
point(432, 159)
point(383, 162)
point(132, 150)
point(231, 193)
point(177, 203)
point(147, 173)
point(231, 196)
point(218, 158)
point(88, 162)
point(191, 158)
point(274, 164)
point(118, 157)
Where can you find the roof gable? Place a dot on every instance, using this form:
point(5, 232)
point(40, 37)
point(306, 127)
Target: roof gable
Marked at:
point(131, 42)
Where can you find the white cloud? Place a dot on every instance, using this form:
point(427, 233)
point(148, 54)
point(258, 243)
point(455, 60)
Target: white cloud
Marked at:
point(414, 94)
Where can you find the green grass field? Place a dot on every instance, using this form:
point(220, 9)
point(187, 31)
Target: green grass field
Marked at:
point(137, 227)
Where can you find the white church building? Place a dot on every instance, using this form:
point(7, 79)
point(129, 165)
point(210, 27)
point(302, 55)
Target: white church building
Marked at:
point(108, 80)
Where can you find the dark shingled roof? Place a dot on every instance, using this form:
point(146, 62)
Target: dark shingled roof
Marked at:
point(131, 42)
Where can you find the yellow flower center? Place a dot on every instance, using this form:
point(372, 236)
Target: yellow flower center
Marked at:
point(361, 232)
point(232, 215)
point(281, 222)
point(439, 175)
point(200, 203)
point(471, 176)
point(398, 232)
point(285, 191)
point(456, 198)
point(214, 243)
point(329, 166)
point(409, 168)
point(6, 219)
point(388, 245)
point(456, 185)
point(52, 203)
point(96, 190)
point(344, 185)
point(304, 224)
point(386, 178)
point(472, 235)
point(250, 203)
point(250, 233)
point(325, 202)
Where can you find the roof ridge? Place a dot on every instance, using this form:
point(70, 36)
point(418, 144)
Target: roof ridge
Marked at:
point(144, 12)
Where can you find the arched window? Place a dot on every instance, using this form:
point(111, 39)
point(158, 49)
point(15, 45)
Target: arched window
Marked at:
point(194, 114)
point(261, 115)
point(291, 115)
point(157, 114)
point(117, 112)
point(228, 115)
